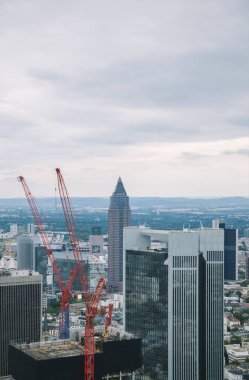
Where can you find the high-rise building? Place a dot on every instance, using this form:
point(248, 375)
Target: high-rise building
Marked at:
point(230, 250)
point(41, 263)
point(96, 241)
point(25, 252)
point(30, 228)
point(247, 267)
point(66, 262)
point(20, 311)
point(119, 216)
point(173, 299)
point(195, 307)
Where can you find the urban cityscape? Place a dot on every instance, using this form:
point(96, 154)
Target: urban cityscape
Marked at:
point(124, 190)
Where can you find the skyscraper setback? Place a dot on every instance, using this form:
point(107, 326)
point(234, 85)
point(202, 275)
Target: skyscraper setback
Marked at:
point(119, 216)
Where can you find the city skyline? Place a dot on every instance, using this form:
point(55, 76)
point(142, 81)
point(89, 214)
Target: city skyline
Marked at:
point(154, 93)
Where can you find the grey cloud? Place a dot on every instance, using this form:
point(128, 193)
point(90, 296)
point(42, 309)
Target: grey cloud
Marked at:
point(242, 152)
point(241, 121)
point(189, 156)
point(85, 80)
point(45, 75)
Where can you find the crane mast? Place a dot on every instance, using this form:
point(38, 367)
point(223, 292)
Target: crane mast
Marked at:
point(91, 299)
point(65, 288)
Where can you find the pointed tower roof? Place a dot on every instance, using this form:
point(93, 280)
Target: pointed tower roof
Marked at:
point(119, 189)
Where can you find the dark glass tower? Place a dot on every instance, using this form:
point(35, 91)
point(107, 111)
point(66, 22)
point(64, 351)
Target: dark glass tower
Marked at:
point(147, 309)
point(119, 216)
point(230, 250)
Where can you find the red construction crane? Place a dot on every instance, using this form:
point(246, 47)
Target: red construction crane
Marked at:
point(108, 318)
point(65, 288)
point(91, 299)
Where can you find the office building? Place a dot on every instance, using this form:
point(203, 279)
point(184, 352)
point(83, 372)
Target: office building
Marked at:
point(230, 250)
point(66, 262)
point(247, 267)
point(96, 241)
point(25, 252)
point(30, 228)
point(41, 263)
point(173, 299)
point(146, 310)
point(20, 311)
point(119, 216)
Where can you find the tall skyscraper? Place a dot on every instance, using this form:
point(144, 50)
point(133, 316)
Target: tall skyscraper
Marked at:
point(173, 299)
point(20, 311)
point(119, 216)
point(230, 250)
point(195, 309)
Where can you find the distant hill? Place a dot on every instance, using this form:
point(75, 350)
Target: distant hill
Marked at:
point(140, 202)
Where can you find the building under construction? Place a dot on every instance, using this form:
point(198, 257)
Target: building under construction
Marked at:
point(115, 358)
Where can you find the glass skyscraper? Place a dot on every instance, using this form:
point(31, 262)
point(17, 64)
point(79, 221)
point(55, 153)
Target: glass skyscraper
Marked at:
point(230, 250)
point(174, 301)
point(196, 305)
point(147, 310)
point(119, 216)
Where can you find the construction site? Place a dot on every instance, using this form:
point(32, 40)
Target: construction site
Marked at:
point(115, 358)
point(98, 353)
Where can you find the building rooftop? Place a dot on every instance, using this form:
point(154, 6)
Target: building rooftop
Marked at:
point(51, 350)
point(17, 273)
point(66, 348)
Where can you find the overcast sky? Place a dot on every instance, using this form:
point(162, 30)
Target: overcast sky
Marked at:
point(156, 92)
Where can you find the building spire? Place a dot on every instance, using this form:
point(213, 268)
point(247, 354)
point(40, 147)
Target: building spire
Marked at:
point(119, 189)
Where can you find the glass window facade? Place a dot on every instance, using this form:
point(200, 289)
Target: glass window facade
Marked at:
point(146, 308)
point(20, 313)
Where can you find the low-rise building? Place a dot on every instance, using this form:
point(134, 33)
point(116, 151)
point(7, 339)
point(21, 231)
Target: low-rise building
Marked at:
point(234, 374)
point(237, 354)
point(231, 320)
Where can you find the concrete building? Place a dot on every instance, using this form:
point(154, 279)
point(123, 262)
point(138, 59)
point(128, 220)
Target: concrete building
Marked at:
point(119, 216)
point(30, 229)
point(173, 299)
point(234, 374)
point(25, 252)
point(230, 250)
point(96, 241)
point(237, 354)
point(64, 360)
point(20, 311)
